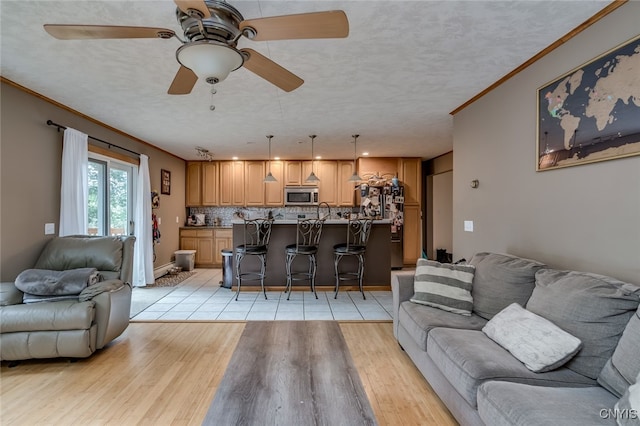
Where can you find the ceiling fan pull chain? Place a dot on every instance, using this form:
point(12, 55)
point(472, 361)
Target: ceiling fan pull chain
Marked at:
point(212, 107)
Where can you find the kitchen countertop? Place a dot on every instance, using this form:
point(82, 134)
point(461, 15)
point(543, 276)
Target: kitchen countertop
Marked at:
point(326, 222)
point(207, 227)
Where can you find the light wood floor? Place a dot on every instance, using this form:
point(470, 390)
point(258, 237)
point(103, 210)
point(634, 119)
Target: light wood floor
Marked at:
point(167, 373)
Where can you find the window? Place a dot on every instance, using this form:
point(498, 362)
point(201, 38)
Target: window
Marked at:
point(111, 196)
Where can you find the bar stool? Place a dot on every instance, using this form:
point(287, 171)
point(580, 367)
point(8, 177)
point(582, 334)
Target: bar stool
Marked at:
point(256, 243)
point(358, 231)
point(308, 233)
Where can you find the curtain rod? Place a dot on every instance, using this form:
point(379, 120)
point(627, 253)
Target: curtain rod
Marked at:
point(109, 144)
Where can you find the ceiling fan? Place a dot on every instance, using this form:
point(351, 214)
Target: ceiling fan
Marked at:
point(212, 29)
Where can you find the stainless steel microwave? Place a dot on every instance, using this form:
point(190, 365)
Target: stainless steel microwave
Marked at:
point(301, 195)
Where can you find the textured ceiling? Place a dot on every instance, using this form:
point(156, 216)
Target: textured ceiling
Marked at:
point(394, 80)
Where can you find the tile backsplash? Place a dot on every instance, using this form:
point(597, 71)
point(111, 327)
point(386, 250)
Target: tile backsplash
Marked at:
point(227, 214)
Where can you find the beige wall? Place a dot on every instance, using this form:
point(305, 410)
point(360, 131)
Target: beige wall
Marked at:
point(585, 217)
point(443, 212)
point(31, 153)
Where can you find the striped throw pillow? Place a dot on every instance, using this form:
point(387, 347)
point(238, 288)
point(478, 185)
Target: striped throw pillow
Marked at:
point(444, 286)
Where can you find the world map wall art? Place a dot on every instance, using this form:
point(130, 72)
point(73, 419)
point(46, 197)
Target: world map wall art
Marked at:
point(591, 113)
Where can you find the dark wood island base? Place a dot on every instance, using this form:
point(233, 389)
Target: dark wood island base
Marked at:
point(377, 273)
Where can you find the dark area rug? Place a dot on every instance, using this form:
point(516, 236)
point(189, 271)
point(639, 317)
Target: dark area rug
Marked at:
point(170, 280)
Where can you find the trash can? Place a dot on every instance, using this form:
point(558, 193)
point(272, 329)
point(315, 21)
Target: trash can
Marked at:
point(227, 268)
point(186, 259)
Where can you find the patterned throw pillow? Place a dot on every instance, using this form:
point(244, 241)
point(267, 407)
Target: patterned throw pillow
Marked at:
point(535, 341)
point(444, 286)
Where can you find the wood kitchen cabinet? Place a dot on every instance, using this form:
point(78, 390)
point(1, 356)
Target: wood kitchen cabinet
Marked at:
point(210, 183)
point(346, 189)
point(412, 238)
point(201, 183)
point(297, 171)
point(274, 191)
point(200, 240)
point(231, 183)
point(222, 240)
point(411, 177)
point(194, 184)
point(327, 172)
point(254, 186)
point(383, 167)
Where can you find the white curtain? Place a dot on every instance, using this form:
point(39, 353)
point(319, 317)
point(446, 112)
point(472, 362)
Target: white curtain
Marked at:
point(74, 186)
point(143, 253)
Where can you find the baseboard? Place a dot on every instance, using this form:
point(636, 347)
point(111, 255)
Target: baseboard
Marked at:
point(162, 270)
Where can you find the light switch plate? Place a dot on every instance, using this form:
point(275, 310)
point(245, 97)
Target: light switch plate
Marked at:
point(49, 228)
point(468, 225)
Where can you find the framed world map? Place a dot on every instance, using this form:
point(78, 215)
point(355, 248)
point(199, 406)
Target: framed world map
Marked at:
point(591, 113)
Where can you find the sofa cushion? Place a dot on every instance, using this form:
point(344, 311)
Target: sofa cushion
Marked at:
point(63, 315)
point(536, 342)
point(503, 403)
point(468, 358)
point(628, 407)
point(62, 253)
point(624, 365)
point(500, 280)
point(418, 320)
point(592, 307)
point(443, 286)
point(9, 294)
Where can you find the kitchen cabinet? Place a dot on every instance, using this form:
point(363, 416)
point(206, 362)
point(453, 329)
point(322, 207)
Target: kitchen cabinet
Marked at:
point(274, 191)
point(200, 240)
point(412, 241)
point(382, 167)
point(346, 189)
point(411, 177)
point(194, 184)
point(254, 186)
point(327, 172)
point(231, 183)
point(222, 240)
point(210, 183)
point(297, 171)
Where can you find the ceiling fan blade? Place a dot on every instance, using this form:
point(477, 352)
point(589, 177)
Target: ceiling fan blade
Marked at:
point(330, 24)
point(183, 82)
point(185, 5)
point(83, 32)
point(270, 71)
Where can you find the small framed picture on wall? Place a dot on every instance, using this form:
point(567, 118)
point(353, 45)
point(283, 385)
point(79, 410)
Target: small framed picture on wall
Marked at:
point(165, 180)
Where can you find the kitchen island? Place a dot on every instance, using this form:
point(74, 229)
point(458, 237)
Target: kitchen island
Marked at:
point(283, 232)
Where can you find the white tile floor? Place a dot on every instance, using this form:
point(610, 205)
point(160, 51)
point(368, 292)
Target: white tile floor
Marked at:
point(200, 297)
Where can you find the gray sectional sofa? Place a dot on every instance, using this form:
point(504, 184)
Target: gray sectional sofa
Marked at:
point(482, 383)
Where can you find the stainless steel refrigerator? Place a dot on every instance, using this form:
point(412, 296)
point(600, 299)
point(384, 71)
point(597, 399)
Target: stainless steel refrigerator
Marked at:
point(387, 202)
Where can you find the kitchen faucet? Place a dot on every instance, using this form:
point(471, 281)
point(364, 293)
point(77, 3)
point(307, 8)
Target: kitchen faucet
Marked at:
point(318, 210)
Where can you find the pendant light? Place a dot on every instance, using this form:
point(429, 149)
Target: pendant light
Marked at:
point(269, 178)
point(312, 177)
point(354, 177)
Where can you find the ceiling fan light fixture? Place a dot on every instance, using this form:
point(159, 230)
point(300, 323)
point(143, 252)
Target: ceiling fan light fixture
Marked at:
point(210, 60)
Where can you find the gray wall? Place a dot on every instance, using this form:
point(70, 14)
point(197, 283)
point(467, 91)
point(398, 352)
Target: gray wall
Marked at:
point(584, 217)
point(31, 155)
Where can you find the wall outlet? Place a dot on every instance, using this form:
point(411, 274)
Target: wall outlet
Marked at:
point(468, 225)
point(49, 228)
point(159, 221)
point(177, 219)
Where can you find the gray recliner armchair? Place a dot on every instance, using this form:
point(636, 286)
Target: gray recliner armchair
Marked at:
point(74, 327)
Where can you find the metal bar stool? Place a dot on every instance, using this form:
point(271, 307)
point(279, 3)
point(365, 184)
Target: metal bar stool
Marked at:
point(256, 243)
point(308, 233)
point(358, 231)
